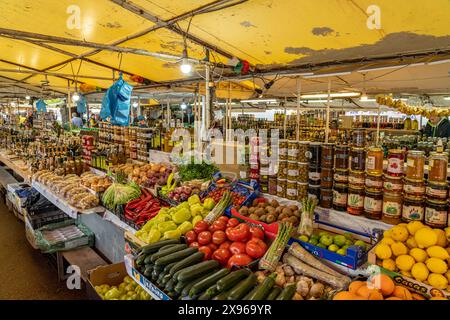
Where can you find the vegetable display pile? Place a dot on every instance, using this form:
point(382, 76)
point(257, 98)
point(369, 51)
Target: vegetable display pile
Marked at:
point(228, 241)
point(142, 209)
point(238, 194)
point(269, 211)
point(336, 243)
point(219, 209)
point(147, 175)
point(172, 223)
point(192, 171)
point(127, 290)
point(119, 193)
point(270, 260)
point(306, 224)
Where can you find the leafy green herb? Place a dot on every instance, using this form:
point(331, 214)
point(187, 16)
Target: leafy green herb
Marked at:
point(193, 171)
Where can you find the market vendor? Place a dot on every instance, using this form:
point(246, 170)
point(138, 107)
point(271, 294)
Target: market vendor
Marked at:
point(437, 127)
point(141, 122)
point(76, 120)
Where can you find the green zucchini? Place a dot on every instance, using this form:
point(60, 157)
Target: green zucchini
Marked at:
point(263, 289)
point(140, 259)
point(209, 293)
point(153, 247)
point(175, 257)
point(287, 293)
point(274, 293)
point(222, 296)
point(187, 288)
point(168, 267)
point(180, 286)
point(170, 285)
point(187, 262)
point(197, 270)
point(155, 274)
point(207, 282)
point(231, 279)
point(167, 251)
point(242, 288)
point(148, 272)
point(251, 293)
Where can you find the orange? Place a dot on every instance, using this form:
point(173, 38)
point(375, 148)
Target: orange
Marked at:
point(345, 295)
point(402, 293)
point(375, 295)
point(355, 285)
point(417, 296)
point(393, 298)
point(383, 283)
point(368, 293)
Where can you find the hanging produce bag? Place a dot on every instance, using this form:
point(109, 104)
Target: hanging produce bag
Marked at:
point(81, 105)
point(116, 103)
point(41, 106)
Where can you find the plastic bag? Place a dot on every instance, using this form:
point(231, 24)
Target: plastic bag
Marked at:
point(41, 106)
point(81, 104)
point(116, 103)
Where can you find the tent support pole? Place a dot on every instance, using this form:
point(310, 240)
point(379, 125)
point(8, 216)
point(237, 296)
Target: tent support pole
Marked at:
point(299, 89)
point(378, 123)
point(207, 102)
point(327, 122)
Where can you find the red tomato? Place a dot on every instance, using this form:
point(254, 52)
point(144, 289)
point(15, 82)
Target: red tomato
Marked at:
point(222, 256)
point(237, 247)
point(257, 233)
point(256, 248)
point(194, 244)
point(219, 237)
point(220, 225)
point(225, 245)
point(240, 259)
point(239, 233)
point(207, 251)
point(200, 226)
point(213, 246)
point(233, 222)
point(204, 237)
point(190, 236)
point(223, 219)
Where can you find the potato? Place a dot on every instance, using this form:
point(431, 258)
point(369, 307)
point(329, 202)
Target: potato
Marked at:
point(285, 219)
point(253, 216)
point(279, 209)
point(293, 220)
point(270, 218)
point(263, 218)
point(251, 210)
point(282, 216)
point(296, 213)
point(287, 211)
point(270, 209)
point(293, 207)
point(274, 203)
point(244, 211)
point(259, 212)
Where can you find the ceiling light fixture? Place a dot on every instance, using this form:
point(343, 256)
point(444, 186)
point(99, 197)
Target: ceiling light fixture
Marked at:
point(75, 97)
point(447, 98)
point(27, 97)
point(135, 104)
point(185, 66)
point(183, 105)
point(332, 95)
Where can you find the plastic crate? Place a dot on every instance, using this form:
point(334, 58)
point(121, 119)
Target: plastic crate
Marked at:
point(39, 220)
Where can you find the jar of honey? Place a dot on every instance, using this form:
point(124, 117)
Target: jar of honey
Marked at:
point(326, 198)
point(373, 205)
point(374, 161)
point(414, 187)
point(374, 181)
point(396, 162)
point(340, 195)
point(341, 176)
point(393, 184)
point(358, 137)
point(356, 178)
point(341, 157)
point(415, 165)
point(413, 208)
point(326, 178)
point(358, 158)
point(437, 190)
point(327, 156)
point(436, 213)
point(437, 167)
point(392, 207)
point(355, 201)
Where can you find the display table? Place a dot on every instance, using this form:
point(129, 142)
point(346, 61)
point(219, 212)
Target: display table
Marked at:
point(17, 165)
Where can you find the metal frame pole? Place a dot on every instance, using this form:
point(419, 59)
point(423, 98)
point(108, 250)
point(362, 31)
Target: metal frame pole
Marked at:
point(327, 121)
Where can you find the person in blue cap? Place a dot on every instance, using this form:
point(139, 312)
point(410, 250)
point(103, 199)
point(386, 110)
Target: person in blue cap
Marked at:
point(141, 122)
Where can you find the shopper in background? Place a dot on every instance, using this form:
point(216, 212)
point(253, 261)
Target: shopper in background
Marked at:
point(93, 121)
point(29, 120)
point(141, 122)
point(76, 120)
point(437, 127)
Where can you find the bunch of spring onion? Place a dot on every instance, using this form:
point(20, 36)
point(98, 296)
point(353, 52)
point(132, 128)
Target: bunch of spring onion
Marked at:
point(307, 218)
point(219, 209)
point(270, 259)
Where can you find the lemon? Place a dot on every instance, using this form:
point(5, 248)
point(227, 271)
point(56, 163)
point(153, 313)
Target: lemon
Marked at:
point(404, 262)
point(442, 239)
point(387, 241)
point(400, 233)
point(411, 242)
point(425, 238)
point(402, 224)
point(388, 264)
point(387, 233)
point(438, 281)
point(406, 274)
point(436, 265)
point(413, 226)
point(419, 271)
point(383, 251)
point(447, 233)
point(398, 248)
point(447, 274)
point(418, 254)
point(438, 298)
point(438, 252)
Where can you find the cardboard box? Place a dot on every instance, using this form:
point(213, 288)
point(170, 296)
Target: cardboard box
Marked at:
point(112, 274)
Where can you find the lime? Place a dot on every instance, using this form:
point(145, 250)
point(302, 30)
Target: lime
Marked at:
point(303, 238)
point(321, 245)
point(313, 241)
point(349, 243)
point(342, 252)
point(333, 248)
point(323, 233)
point(348, 235)
point(360, 244)
point(339, 240)
point(326, 240)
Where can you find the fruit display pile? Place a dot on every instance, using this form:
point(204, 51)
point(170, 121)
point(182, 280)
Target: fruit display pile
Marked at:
point(417, 251)
point(269, 211)
point(228, 241)
point(127, 290)
point(336, 243)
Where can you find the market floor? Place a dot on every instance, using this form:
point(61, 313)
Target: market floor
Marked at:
point(25, 273)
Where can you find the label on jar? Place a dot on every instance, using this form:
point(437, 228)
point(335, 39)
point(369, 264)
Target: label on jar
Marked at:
point(293, 153)
point(355, 201)
point(392, 209)
point(340, 177)
point(374, 183)
point(291, 192)
point(435, 217)
point(339, 198)
point(279, 188)
point(413, 212)
point(388, 185)
point(372, 205)
point(437, 193)
point(314, 175)
point(356, 180)
point(395, 166)
point(410, 162)
point(292, 172)
point(370, 163)
point(283, 151)
point(409, 188)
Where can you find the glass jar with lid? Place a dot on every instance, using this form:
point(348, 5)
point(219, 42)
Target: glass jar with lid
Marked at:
point(355, 201)
point(358, 137)
point(392, 207)
point(374, 161)
point(293, 151)
point(341, 157)
point(340, 196)
point(437, 190)
point(291, 190)
point(392, 184)
point(415, 165)
point(413, 208)
point(314, 192)
point(326, 178)
point(436, 213)
point(396, 162)
point(437, 167)
point(273, 185)
point(356, 178)
point(282, 170)
point(281, 188)
point(358, 159)
point(292, 170)
point(373, 204)
point(303, 172)
point(374, 181)
point(303, 151)
point(283, 150)
point(341, 176)
point(314, 176)
point(326, 198)
point(302, 190)
point(414, 187)
point(314, 154)
point(327, 155)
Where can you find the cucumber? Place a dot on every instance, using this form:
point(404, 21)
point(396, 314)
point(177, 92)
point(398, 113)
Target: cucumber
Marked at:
point(153, 247)
point(287, 293)
point(170, 285)
point(187, 288)
point(197, 270)
point(180, 286)
point(155, 274)
point(251, 293)
point(168, 267)
point(160, 277)
point(167, 251)
point(242, 288)
point(140, 259)
point(263, 289)
point(147, 259)
point(175, 257)
point(207, 282)
point(209, 293)
point(232, 279)
point(148, 272)
point(274, 293)
point(187, 262)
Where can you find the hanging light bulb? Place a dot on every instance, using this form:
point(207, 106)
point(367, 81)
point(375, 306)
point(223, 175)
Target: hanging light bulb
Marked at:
point(364, 97)
point(135, 104)
point(183, 105)
point(185, 66)
point(27, 97)
point(75, 96)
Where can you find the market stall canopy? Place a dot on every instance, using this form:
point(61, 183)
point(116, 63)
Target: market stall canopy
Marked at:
point(55, 41)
